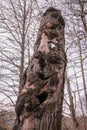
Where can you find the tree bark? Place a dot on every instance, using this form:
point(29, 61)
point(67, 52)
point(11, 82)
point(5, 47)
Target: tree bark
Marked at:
point(39, 104)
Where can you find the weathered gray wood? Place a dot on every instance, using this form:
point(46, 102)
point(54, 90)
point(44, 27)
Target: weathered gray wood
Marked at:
point(39, 105)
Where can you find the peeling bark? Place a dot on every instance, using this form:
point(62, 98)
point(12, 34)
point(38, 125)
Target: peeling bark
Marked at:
point(39, 105)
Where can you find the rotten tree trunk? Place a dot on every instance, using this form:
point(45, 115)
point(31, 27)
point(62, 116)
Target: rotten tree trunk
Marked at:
point(39, 104)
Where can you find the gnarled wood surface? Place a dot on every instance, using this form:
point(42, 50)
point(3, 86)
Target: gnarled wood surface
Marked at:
point(39, 105)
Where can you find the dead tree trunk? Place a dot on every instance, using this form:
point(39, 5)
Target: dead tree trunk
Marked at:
point(39, 105)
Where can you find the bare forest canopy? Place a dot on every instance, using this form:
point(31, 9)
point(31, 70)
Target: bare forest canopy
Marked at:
point(19, 23)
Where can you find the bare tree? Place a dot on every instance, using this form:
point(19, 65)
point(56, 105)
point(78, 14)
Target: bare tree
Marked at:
point(81, 105)
point(78, 32)
point(72, 109)
point(15, 21)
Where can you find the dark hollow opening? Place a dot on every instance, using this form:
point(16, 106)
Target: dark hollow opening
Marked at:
point(42, 97)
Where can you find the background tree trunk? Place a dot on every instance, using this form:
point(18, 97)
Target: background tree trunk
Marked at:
point(72, 109)
point(39, 104)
